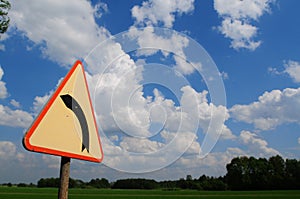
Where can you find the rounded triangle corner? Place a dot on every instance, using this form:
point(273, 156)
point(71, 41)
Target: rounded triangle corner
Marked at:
point(26, 143)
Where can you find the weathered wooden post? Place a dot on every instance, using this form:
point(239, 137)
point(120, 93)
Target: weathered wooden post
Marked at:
point(64, 178)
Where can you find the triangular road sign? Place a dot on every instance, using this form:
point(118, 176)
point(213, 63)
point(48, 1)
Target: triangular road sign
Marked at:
point(66, 126)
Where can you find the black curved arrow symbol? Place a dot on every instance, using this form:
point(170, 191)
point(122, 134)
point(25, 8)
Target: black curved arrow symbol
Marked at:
point(72, 104)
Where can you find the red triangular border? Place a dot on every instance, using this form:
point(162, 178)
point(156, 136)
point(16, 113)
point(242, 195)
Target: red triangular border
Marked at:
point(31, 130)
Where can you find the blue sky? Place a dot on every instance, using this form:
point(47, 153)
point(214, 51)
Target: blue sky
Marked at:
point(156, 107)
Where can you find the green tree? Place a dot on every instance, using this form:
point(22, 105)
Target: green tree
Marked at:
point(138, 183)
point(277, 172)
point(189, 178)
point(235, 174)
point(211, 183)
point(48, 182)
point(99, 183)
point(4, 19)
point(260, 174)
point(75, 183)
point(168, 185)
point(259, 177)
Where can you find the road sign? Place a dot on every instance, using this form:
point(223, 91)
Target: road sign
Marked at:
point(66, 126)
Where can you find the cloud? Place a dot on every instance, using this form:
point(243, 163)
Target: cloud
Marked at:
point(8, 116)
point(272, 109)
point(194, 164)
point(19, 166)
point(15, 103)
point(274, 71)
point(126, 116)
point(151, 40)
point(299, 140)
point(14, 118)
point(224, 75)
point(178, 134)
point(130, 118)
point(39, 102)
point(3, 89)
point(100, 9)
point(3, 37)
point(256, 146)
point(144, 145)
point(184, 67)
point(245, 9)
point(240, 32)
point(207, 111)
point(292, 68)
point(63, 30)
point(7, 149)
point(236, 23)
point(119, 101)
point(156, 12)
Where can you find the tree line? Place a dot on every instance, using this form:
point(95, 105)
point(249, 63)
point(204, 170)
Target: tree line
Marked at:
point(243, 173)
point(275, 173)
point(75, 183)
point(203, 183)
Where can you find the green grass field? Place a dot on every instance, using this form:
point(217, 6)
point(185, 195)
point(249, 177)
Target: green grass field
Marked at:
point(50, 193)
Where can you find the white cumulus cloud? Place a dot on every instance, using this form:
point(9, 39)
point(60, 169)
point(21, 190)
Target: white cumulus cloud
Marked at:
point(237, 17)
point(7, 149)
point(151, 41)
point(154, 12)
point(292, 68)
point(14, 118)
point(244, 9)
point(64, 30)
point(8, 116)
point(3, 37)
point(40, 101)
point(240, 32)
point(272, 109)
point(256, 146)
point(3, 89)
point(15, 103)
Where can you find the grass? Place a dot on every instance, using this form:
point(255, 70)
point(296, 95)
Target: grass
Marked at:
point(51, 193)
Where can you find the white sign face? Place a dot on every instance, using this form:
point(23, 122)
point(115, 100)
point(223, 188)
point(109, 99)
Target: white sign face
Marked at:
point(66, 126)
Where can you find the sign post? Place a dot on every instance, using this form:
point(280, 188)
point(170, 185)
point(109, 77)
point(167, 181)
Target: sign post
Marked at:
point(64, 178)
point(66, 126)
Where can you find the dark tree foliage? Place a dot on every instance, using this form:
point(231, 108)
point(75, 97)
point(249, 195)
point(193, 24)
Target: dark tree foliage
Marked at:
point(245, 173)
point(203, 183)
point(292, 169)
point(168, 185)
point(4, 19)
point(212, 183)
point(99, 183)
point(74, 183)
point(48, 182)
point(135, 184)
